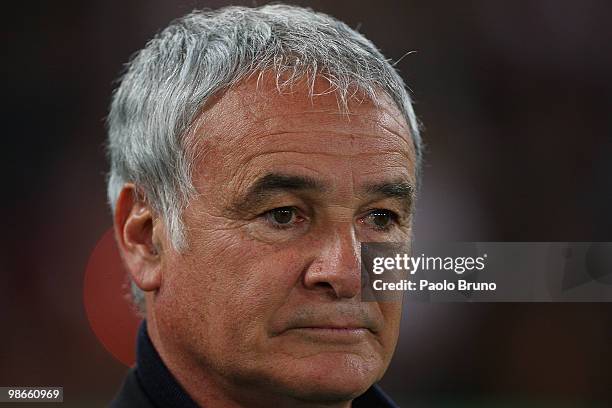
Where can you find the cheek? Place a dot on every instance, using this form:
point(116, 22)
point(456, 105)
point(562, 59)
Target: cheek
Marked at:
point(392, 314)
point(228, 288)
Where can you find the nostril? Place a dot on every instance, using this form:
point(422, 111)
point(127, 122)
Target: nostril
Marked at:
point(324, 285)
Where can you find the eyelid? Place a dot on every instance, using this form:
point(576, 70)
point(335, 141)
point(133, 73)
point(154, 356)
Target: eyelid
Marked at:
point(296, 207)
point(393, 204)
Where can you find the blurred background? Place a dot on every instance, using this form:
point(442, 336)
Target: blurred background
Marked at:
point(515, 98)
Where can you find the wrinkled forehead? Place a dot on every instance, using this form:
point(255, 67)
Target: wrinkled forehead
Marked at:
point(256, 109)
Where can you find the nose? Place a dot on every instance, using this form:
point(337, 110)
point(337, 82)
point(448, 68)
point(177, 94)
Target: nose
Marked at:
point(336, 269)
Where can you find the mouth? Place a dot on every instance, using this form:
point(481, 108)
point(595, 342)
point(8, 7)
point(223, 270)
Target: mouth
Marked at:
point(332, 334)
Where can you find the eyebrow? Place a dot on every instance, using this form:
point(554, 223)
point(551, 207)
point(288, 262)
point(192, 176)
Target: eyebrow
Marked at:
point(395, 189)
point(275, 181)
point(264, 187)
point(272, 183)
point(398, 189)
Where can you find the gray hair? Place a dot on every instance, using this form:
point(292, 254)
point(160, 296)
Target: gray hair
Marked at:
point(167, 83)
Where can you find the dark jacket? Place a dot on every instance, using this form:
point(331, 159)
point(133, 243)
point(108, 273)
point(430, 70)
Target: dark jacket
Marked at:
point(150, 384)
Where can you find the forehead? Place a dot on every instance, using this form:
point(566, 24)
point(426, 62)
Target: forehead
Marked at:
point(254, 121)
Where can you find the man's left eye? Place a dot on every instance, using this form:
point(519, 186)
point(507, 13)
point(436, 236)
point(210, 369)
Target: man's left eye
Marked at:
point(381, 220)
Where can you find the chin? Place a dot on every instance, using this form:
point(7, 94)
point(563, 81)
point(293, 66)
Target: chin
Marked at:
point(330, 377)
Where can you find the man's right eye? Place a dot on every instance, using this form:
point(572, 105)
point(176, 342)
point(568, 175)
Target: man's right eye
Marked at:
point(283, 217)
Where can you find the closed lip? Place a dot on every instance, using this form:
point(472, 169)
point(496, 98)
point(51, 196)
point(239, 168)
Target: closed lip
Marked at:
point(348, 328)
point(326, 334)
point(344, 320)
point(326, 327)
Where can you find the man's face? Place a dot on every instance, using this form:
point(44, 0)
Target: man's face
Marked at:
point(268, 292)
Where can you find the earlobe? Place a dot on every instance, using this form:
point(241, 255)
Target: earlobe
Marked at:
point(135, 233)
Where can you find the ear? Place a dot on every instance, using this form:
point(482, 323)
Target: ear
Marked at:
point(137, 238)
